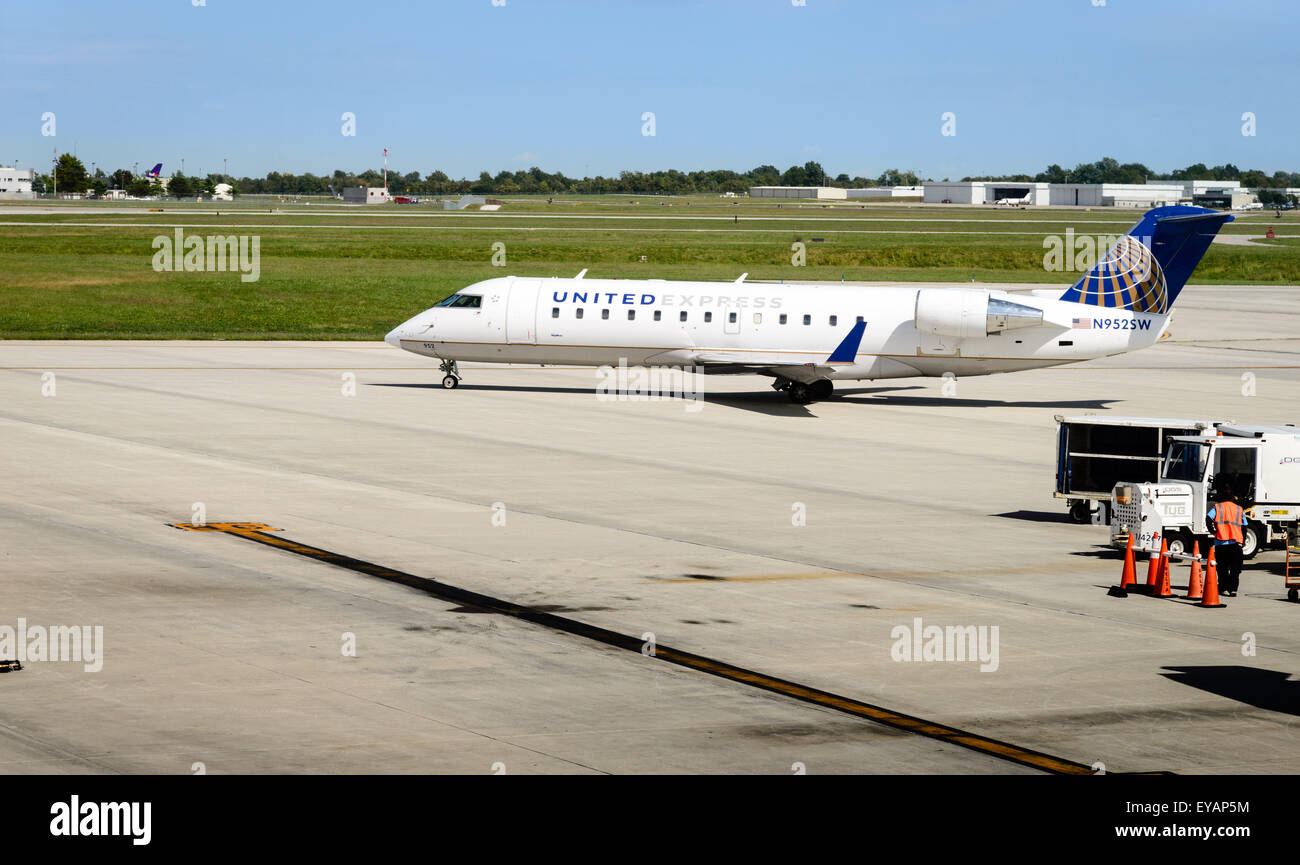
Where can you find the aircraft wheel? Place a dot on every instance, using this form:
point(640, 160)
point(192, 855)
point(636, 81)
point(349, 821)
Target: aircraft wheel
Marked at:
point(450, 382)
point(821, 388)
point(799, 393)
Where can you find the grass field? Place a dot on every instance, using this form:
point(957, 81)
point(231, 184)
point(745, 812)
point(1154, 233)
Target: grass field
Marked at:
point(328, 272)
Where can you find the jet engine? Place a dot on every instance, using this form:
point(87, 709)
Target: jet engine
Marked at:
point(970, 313)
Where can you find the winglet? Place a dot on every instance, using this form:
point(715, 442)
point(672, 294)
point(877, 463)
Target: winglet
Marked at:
point(741, 278)
point(847, 352)
point(581, 273)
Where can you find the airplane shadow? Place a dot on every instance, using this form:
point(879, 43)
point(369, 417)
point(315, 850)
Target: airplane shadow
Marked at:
point(764, 402)
point(773, 403)
point(1265, 689)
point(486, 387)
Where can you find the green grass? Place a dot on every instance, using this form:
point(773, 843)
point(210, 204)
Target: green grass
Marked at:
point(362, 271)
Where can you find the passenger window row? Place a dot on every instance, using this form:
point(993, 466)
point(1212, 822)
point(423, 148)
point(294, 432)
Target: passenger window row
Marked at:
point(732, 317)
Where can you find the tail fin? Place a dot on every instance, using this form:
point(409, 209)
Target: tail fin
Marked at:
point(155, 171)
point(1146, 269)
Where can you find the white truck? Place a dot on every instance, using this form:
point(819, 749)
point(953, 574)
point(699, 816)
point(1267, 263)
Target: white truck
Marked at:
point(1095, 452)
point(1262, 463)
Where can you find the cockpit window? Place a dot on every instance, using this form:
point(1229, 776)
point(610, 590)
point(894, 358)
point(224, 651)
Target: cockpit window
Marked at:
point(464, 301)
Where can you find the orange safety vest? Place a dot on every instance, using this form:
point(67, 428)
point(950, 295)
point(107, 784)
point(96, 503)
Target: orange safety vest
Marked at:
point(1227, 522)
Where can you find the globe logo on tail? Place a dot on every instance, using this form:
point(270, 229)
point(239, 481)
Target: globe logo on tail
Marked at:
point(1129, 277)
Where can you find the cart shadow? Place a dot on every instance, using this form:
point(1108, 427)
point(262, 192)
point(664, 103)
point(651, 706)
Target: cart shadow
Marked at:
point(1273, 690)
point(1035, 516)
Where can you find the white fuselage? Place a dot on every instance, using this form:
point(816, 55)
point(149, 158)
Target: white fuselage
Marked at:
point(594, 322)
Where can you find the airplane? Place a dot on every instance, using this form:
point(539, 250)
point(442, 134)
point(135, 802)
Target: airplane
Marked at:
point(155, 171)
point(806, 337)
point(1014, 202)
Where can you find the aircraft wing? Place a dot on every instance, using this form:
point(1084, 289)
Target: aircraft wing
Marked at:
point(723, 362)
point(740, 362)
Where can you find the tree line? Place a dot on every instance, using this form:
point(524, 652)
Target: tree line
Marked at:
point(70, 175)
point(73, 177)
point(1108, 170)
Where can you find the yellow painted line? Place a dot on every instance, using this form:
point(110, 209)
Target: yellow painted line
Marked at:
point(258, 532)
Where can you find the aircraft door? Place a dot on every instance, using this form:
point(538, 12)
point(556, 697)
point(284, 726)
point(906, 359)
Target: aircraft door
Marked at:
point(521, 311)
point(1236, 466)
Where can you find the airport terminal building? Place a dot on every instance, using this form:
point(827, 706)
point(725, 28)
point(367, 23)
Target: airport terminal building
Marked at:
point(16, 182)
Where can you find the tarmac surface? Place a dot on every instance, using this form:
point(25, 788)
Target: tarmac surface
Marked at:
point(640, 517)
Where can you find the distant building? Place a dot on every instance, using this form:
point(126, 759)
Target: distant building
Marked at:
point(16, 182)
point(366, 195)
point(797, 192)
point(1157, 193)
point(887, 192)
point(1142, 195)
point(983, 192)
point(223, 192)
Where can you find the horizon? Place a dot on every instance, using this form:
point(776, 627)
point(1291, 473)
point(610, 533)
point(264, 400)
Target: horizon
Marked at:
point(565, 85)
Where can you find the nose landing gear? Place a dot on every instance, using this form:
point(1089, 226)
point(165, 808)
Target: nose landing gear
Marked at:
point(451, 380)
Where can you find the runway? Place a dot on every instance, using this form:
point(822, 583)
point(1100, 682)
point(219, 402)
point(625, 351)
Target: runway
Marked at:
point(639, 518)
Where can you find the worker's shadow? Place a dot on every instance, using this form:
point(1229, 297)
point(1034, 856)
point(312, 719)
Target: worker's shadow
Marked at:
point(1265, 689)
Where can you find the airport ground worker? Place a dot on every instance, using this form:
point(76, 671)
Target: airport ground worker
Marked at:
point(1226, 519)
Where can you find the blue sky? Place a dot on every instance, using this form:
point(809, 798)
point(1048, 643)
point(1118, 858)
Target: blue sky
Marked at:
point(465, 86)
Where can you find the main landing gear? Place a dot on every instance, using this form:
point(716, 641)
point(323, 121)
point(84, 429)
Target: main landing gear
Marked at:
point(802, 393)
point(452, 378)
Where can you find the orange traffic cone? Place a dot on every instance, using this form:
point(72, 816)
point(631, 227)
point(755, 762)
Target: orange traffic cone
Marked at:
point(1153, 573)
point(1128, 577)
point(1195, 583)
point(1162, 584)
point(1211, 598)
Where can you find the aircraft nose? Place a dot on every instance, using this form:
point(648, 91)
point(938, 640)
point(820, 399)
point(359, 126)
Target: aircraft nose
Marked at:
point(394, 337)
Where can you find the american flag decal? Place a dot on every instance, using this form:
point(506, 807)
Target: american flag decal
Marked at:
point(1081, 323)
